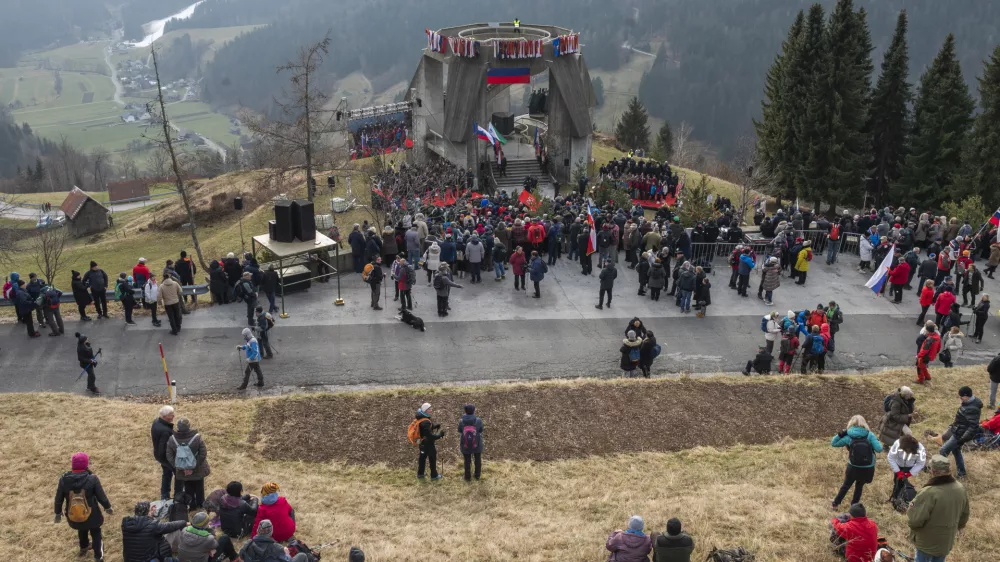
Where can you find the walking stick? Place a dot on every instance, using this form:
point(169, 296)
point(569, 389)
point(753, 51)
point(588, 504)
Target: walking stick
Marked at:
point(92, 362)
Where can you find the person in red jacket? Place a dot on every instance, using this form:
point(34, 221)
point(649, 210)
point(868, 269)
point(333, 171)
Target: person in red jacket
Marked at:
point(860, 534)
point(942, 305)
point(899, 276)
point(277, 510)
point(140, 273)
point(926, 300)
point(928, 351)
point(536, 235)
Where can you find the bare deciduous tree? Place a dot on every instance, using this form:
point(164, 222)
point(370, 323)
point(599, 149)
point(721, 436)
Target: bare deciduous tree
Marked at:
point(305, 121)
point(164, 121)
point(7, 241)
point(755, 178)
point(683, 153)
point(101, 160)
point(157, 163)
point(127, 166)
point(47, 248)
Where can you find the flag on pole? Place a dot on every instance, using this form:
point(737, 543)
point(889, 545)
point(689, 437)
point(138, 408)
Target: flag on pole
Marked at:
point(528, 200)
point(483, 134)
point(496, 135)
point(995, 219)
point(508, 75)
point(881, 274)
point(592, 241)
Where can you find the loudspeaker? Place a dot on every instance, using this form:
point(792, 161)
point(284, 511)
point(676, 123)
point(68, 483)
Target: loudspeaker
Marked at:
point(270, 229)
point(283, 222)
point(238, 204)
point(303, 220)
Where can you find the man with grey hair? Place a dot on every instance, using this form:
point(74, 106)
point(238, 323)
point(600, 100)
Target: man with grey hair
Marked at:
point(161, 432)
point(263, 548)
point(938, 513)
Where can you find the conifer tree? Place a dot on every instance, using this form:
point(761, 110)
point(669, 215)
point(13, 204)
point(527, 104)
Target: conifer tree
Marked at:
point(633, 131)
point(775, 130)
point(813, 125)
point(982, 156)
point(663, 148)
point(942, 116)
point(889, 121)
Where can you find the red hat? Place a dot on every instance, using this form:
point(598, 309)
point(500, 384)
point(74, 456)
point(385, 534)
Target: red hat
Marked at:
point(896, 225)
point(80, 462)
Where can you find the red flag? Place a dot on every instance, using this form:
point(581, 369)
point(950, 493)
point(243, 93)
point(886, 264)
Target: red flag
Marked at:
point(592, 241)
point(528, 200)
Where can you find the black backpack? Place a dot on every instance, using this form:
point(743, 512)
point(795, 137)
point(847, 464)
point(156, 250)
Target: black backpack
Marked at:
point(861, 452)
point(901, 501)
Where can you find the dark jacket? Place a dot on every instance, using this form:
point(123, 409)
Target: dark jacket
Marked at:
point(373, 247)
point(186, 270)
point(657, 276)
point(96, 280)
point(471, 419)
point(91, 485)
point(640, 331)
point(23, 301)
point(269, 282)
point(643, 269)
point(537, 269)
point(142, 538)
point(626, 349)
point(218, 281)
point(686, 280)
point(966, 422)
point(646, 351)
point(127, 292)
point(357, 242)
point(994, 369)
point(233, 269)
point(236, 515)
point(80, 293)
point(196, 442)
point(928, 269)
point(900, 410)
point(84, 353)
point(160, 433)
point(673, 548)
point(428, 435)
point(263, 549)
point(608, 276)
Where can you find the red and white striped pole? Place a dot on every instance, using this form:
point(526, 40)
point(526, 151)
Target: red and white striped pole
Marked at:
point(171, 385)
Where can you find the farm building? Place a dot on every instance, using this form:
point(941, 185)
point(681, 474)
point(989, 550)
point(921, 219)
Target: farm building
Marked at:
point(133, 190)
point(84, 215)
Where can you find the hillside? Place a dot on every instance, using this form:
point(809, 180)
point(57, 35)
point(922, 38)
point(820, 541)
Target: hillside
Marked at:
point(771, 496)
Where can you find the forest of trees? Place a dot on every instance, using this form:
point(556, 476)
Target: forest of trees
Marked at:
point(19, 147)
point(827, 133)
point(37, 24)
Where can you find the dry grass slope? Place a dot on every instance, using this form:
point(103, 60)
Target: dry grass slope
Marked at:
point(772, 498)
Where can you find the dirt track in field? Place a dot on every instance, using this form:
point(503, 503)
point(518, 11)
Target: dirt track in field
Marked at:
point(564, 421)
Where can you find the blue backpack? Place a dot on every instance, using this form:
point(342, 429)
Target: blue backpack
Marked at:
point(633, 354)
point(817, 347)
point(763, 324)
point(656, 351)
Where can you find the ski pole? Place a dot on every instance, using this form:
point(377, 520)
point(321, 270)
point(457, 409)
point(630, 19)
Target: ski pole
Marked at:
point(92, 362)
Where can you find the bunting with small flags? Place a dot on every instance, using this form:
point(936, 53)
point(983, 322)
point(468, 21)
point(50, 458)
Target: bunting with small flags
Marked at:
point(566, 44)
point(435, 41)
point(505, 49)
point(462, 47)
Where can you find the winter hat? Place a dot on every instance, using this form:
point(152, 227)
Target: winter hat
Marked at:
point(965, 391)
point(265, 528)
point(200, 520)
point(141, 509)
point(93, 264)
point(247, 334)
point(232, 255)
point(234, 488)
point(470, 409)
point(858, 510)
point(183, 424)
point(75, 273)
point(130, 280)
point(142, 260)
point(80, 461)
point(425, 406)
point(635, 523)
point(674, 527)
point(356, 555)
point(631, 334)
point(269, 488)
point(905, 392)
point(80, 337)
point(940, 464)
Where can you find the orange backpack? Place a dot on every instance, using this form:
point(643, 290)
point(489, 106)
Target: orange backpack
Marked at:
point(413, 431)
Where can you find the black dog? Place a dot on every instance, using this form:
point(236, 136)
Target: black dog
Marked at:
point(407, 317)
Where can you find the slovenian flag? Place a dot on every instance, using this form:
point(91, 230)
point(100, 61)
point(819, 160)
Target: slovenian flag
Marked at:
point(483, 134)
point(508, 76)
point(995, 219)
point(592, 241)
point(881, 274)
point(496, 135)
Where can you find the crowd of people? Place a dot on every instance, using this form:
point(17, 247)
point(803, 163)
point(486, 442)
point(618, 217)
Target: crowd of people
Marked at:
point(643, 180)
point(390, 133)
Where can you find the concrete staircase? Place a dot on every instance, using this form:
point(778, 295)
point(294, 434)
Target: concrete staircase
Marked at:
point(516, 172)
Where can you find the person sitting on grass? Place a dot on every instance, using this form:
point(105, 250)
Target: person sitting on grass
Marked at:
point(143, 535)
point(675, 546)
point(264, 548)
point(277, 512)
point(237, 511)
point(631, 545)
point(859, 534)
point(761, 364)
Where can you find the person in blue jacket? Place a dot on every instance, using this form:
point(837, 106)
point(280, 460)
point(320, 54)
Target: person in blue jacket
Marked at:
point(252, 350)
point(861, 446)
point(537, 268)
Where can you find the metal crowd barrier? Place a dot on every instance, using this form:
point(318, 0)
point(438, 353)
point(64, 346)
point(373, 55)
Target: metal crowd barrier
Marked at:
point(187, 290)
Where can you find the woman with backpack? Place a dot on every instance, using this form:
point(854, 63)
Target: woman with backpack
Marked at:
point(77, 497)
point(630, 354)
point(188, 454)
point(861, 446)
point(125, 294)
point(899, 407)
point(786, 351)
point(470, 432)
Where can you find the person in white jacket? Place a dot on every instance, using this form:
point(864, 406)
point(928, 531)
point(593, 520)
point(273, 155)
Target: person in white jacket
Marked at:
point(773, 332)
point(432, 260)
point(865, 251)
point(906, 457)
point(150, 291)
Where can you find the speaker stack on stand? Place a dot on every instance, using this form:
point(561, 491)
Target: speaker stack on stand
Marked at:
point(293, 220)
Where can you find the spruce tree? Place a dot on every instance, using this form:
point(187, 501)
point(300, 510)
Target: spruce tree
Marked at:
point(813, 125)
point(775, 130)
point(982, 156)
point(664, 146)
point(848, 85)
point(889, 121)
point(632, 131)
point(942, 116)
